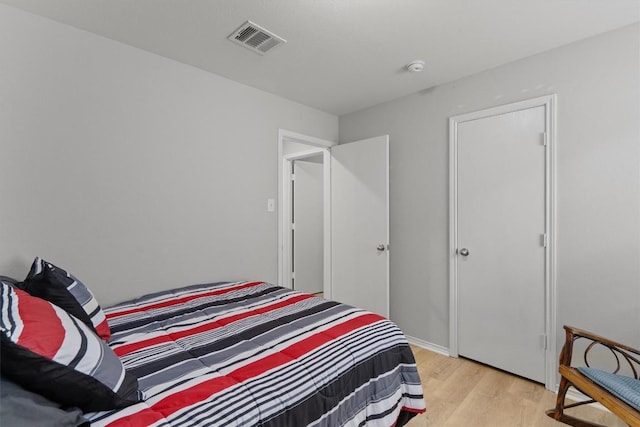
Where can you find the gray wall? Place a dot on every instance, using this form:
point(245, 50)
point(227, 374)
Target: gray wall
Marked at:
point(598, 152)
point(135, 172)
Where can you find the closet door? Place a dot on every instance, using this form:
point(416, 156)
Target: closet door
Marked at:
point(501, 250)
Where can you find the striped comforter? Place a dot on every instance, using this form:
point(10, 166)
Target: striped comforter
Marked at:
point(252, 353)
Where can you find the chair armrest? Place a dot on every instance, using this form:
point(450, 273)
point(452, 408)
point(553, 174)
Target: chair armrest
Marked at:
point(627, 353)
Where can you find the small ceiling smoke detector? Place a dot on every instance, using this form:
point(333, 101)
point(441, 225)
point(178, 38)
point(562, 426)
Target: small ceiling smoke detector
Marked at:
point(415, 66)
point(256, 38)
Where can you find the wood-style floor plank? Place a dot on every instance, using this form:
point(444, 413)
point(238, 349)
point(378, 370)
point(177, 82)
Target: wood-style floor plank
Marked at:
point(462, 393)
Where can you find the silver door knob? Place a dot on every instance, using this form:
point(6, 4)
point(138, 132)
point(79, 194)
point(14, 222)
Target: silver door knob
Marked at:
point(464, 252)
point(380, 248)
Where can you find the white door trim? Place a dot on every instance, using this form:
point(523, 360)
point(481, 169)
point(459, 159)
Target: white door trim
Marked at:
point(316, 145)
point(550, 104)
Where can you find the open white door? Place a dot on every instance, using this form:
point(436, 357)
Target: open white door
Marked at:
point(360, 224)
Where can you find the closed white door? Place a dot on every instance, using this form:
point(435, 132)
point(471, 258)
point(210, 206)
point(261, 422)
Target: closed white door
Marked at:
point(308, 230)
point(360, 224)
point(501, 241)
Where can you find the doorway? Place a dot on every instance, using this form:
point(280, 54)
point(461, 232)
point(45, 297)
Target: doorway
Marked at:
point(502, 229)
point(292, 147)
point(307, 223)
point(355, 218)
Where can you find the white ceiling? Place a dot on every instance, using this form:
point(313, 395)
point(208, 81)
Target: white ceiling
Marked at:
point(344, 55)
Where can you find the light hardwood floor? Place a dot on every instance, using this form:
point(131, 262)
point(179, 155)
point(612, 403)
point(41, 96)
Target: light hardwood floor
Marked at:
point(463, 393)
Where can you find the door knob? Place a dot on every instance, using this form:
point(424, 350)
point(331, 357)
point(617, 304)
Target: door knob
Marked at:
point(380, 248)
point(464, 252)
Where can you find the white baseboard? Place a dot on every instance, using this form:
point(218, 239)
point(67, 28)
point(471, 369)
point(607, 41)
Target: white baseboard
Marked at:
point(428, 346)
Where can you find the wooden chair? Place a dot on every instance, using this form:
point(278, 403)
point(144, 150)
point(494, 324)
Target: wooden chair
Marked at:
point(598, 385)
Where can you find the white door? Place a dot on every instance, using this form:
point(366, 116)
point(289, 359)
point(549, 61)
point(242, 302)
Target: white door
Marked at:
point(500, 241)
point(307, 217)
point(360, 224)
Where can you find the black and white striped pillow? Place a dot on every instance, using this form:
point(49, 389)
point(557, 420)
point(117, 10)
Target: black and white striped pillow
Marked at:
point(50, 352)
point(60, 287)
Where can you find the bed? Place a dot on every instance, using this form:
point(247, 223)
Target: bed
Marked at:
point(252, 353)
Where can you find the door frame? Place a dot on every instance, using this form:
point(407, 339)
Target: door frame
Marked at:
point(316, 145)
point(549, 102)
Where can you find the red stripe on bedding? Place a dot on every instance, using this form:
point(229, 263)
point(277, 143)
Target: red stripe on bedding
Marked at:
point(103, 330)
point(204, 390)
point(38, 315)
point(407, 409)
point(182, 300)
point(302, 347)
point(130, 348)
point(414, 410)
point(308, 344)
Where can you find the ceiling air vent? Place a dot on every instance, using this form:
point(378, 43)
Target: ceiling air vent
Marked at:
point(256, 38)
